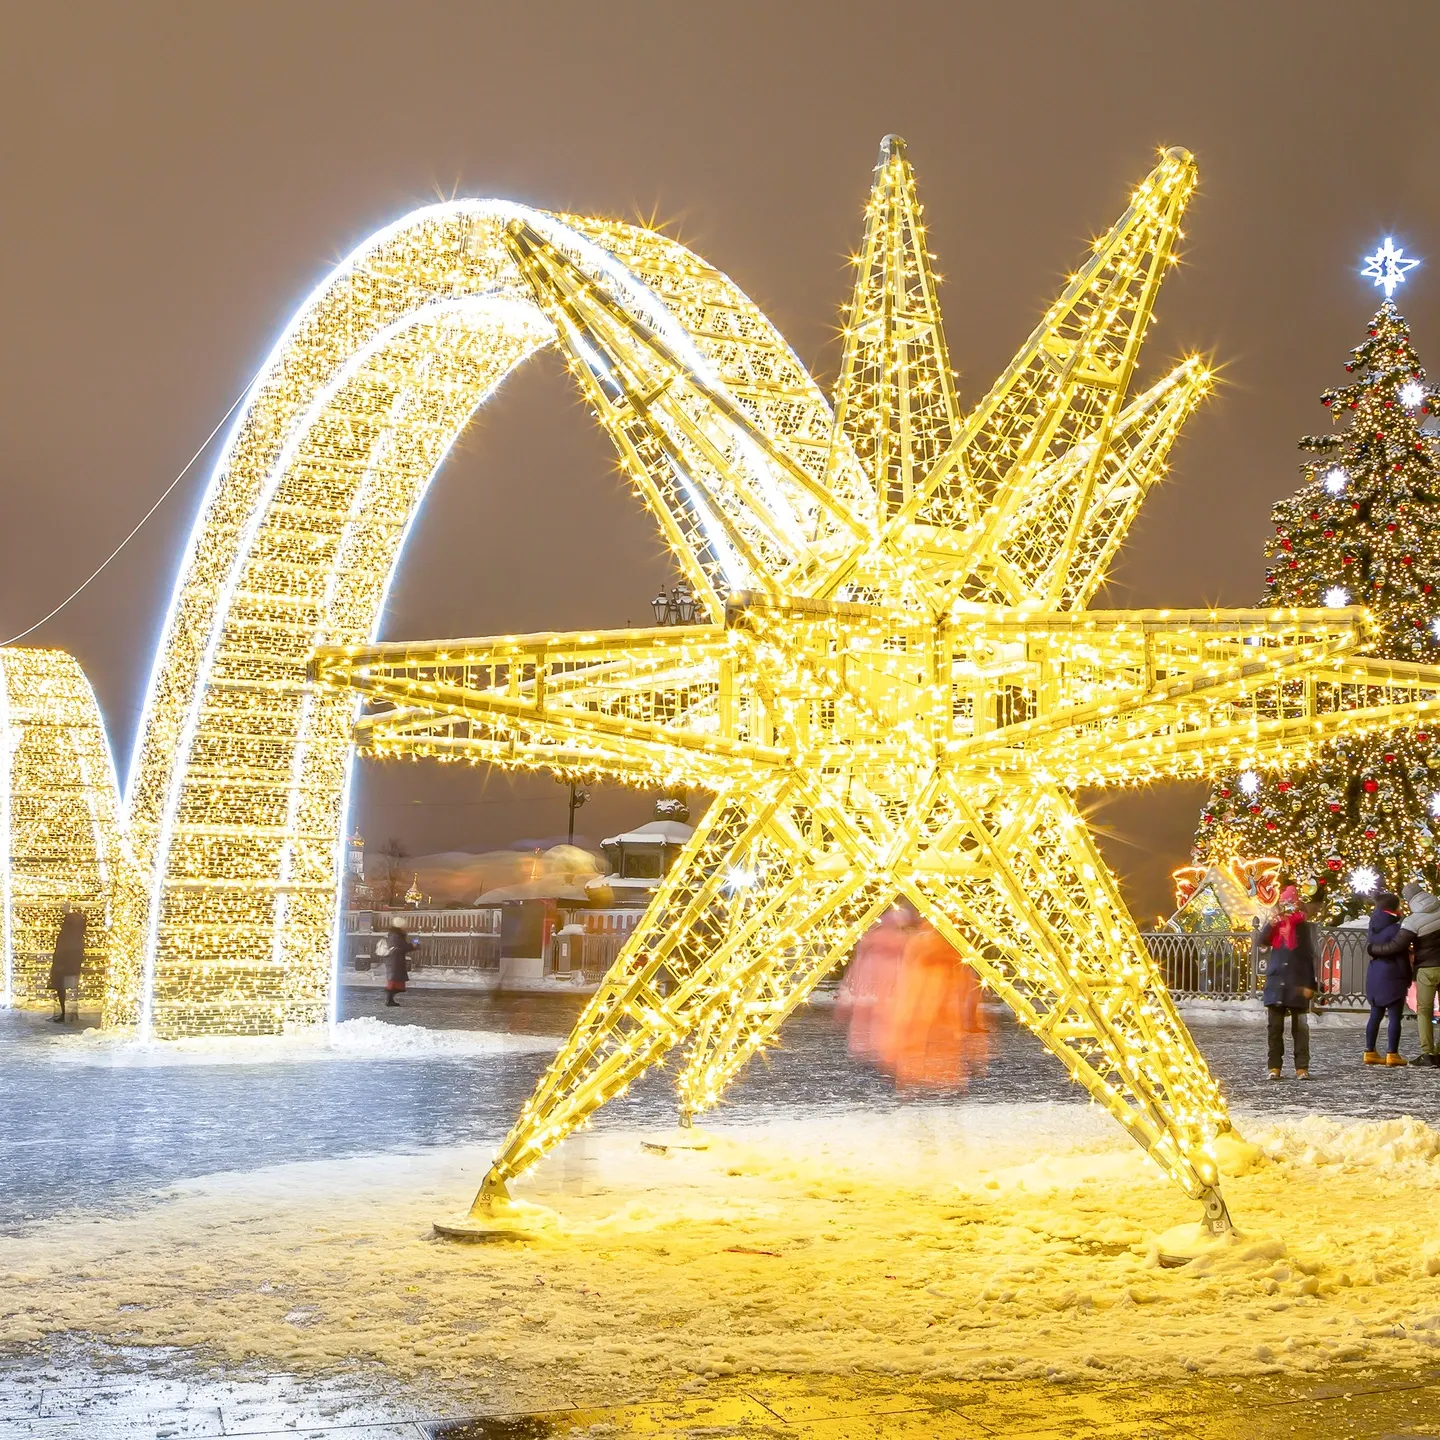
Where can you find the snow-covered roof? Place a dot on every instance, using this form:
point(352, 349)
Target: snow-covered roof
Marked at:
point(657, 832)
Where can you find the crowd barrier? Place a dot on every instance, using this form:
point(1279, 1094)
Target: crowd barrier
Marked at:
point(1231, 966)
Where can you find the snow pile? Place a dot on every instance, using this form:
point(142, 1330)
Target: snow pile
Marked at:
point(980, 1242)
point(364, 1039)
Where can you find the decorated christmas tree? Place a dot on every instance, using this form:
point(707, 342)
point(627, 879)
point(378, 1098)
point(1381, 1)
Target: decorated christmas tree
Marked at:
point(1364, 528)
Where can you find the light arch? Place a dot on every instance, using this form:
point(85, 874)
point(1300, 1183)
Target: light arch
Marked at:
point(237, 786)
point(61, 840)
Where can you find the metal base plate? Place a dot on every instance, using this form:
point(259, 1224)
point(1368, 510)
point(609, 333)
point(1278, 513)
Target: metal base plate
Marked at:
point(682, 1137)
point(496, 1222)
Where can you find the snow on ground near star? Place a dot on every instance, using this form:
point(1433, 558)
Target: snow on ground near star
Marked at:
point(1003, 1241)
point(364, 1039)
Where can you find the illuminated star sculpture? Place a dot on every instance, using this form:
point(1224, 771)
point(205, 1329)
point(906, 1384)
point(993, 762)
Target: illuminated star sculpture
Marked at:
point(897, 686)
point(1388, 267)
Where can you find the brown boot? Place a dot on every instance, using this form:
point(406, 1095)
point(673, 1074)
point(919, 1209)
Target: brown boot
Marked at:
point(1372, 1057)
point(1393, 1059)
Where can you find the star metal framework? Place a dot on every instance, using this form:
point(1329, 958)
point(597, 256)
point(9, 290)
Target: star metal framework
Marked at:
point(898, 684)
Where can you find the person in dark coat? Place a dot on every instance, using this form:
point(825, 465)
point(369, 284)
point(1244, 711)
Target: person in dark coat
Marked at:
point(68, 960)
point(394, 947)
point(1289, 982)
point(1387, 978)
point(1419, 939)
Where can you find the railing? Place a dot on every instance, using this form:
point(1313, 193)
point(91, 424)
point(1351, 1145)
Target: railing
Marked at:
point(1232, 966)
point(467, 939)
point(587, 957)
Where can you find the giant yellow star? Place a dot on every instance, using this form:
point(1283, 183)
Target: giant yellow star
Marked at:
point(897, 685)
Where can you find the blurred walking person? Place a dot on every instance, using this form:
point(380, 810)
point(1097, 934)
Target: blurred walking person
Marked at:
point(69, 959)
point(867, 993)
point(394, 947)
point(933, 1037)
point(1289, 982)
point(1387, 978)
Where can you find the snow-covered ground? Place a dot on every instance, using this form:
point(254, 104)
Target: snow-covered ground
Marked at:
point(365, 1038)
point(998, 1241)
point(221, 1202)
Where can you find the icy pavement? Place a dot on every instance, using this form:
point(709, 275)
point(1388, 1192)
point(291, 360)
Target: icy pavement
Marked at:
point(96, 1134)
point(1368, 1405)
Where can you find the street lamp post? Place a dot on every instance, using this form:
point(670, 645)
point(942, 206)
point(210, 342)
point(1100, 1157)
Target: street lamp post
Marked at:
point(577, 798)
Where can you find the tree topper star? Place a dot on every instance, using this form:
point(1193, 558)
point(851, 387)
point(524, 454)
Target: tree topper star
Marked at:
point(1388, 267)
point(897, 686)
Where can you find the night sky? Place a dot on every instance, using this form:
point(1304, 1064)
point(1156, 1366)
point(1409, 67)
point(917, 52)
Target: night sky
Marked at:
point(178, 178)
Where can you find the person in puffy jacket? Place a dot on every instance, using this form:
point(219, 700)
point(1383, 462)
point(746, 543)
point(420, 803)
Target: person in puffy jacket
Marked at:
point(1387, 978)
point(1419, 936)
point(1289, 982)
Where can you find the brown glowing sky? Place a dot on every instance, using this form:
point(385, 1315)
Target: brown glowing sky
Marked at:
point(177, 178)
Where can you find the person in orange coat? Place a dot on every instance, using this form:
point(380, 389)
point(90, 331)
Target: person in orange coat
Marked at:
point(867, 993)
point(934, 1035)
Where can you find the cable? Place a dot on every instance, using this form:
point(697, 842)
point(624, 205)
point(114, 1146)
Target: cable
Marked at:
point(106, 561)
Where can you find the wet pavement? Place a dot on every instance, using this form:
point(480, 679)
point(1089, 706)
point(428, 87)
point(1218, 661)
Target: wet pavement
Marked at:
point(80, 1135)
point(1359, 1405)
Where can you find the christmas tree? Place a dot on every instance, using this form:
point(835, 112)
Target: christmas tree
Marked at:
point(1364, 529)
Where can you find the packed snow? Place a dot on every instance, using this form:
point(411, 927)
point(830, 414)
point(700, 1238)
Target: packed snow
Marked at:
point(987, 1241)
point(365, 1038)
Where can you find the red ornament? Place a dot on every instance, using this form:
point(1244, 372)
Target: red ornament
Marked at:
point(1269, 824)
point(1334, 805)
point(1334, 862)
point(1369, 834)
point(1254, 809)
point(1423, 737)
point(1224, 792)
point(1389, 758)
point(1371, 786)
point(1282, 786)
point(1329, 534)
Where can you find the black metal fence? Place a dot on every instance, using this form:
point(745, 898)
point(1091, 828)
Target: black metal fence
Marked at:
point(462, 939)
point(1232, 966)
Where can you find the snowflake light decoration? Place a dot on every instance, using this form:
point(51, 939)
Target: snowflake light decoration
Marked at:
point(1336, 479)
point(1412, 393)
point(1335, 597)
point(1364, 879)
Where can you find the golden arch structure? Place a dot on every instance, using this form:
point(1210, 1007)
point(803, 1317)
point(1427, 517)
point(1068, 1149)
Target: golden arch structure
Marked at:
point(896, 686)
point(61, 841)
